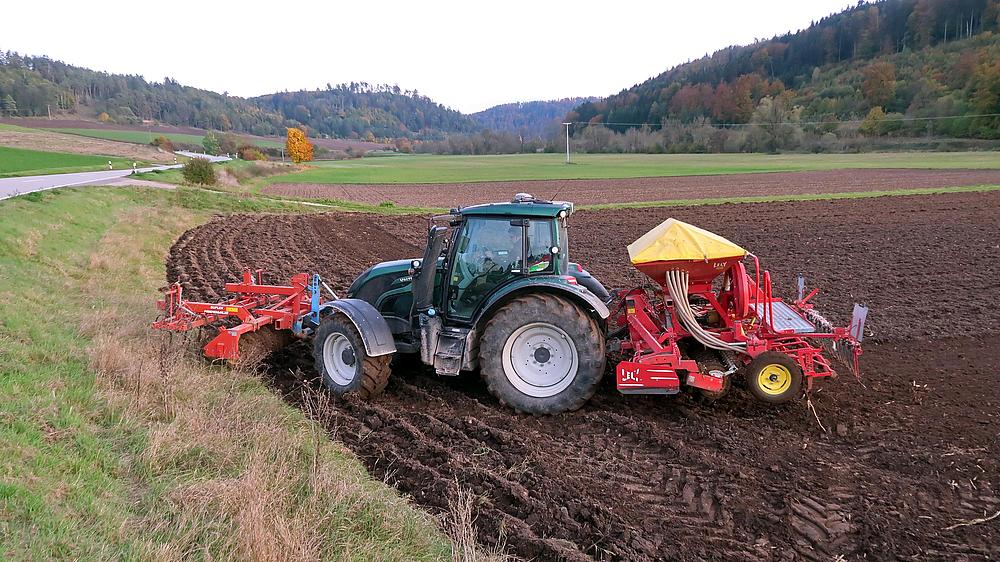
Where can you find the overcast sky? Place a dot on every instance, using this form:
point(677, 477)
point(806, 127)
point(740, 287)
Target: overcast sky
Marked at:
point(468, 55)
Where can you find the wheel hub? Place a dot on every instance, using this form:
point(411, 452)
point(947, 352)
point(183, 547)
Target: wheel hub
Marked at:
point(347, 356)
point(339, 359)
point(774, 379)
point(542, 354)
point(540, 359)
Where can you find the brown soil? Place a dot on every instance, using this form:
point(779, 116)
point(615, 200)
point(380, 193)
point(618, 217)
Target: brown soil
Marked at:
point(75, 144)
point(590, 192)
point(908, 454)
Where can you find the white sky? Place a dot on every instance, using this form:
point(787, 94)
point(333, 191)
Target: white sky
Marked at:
point(466, 55)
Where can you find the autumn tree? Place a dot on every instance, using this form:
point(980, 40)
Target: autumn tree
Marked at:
point(298, 146)
point(985, 99)
point(404, 145)
point(879, 85)
point(775, 124)
point(872, 125)
point(164, 143)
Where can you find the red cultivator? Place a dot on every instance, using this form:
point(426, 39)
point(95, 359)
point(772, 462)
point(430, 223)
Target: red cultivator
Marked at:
point(293, 307)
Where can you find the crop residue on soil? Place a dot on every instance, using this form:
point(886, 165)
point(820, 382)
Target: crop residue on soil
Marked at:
point(907, 455)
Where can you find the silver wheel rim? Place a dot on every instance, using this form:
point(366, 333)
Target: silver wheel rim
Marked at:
point(339, 359)
point(540, 360)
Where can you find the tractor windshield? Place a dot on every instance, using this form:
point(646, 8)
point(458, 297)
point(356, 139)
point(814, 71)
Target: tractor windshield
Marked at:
point(488, 253)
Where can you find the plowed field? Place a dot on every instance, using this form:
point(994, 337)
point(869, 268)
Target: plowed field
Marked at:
point(904, 458)
point(590, 192)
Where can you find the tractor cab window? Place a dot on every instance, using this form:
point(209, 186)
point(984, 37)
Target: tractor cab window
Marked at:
point(540, 243)
point(488, 253)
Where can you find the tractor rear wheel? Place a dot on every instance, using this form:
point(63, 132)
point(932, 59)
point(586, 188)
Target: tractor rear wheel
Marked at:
point(541, 354)
point(343, 363)
point(774, 377)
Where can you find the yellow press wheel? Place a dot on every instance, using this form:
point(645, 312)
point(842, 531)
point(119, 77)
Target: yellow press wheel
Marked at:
point(774, 377)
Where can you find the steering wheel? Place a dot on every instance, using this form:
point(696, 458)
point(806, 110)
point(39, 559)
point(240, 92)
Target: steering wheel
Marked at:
point(469, 296)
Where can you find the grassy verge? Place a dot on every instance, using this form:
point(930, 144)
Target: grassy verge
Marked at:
point(118, 445)
point(797, 197)
point(22, 162)
point(457, 169)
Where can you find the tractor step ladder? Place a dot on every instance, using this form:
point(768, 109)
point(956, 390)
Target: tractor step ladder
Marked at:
point(450, 351)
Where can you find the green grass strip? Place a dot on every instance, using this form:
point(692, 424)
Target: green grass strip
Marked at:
point(796, 197)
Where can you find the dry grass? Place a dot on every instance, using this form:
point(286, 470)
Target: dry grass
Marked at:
point(227, 470)
point(460, 524)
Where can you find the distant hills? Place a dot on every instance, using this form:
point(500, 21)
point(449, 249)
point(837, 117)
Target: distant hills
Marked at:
point(533, 119)
point(32, 86)
point(912, 59)
point(911, 67)
point(365, 110)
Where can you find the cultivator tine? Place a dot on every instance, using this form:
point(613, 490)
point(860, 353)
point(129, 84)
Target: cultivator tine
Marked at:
point(802, 287)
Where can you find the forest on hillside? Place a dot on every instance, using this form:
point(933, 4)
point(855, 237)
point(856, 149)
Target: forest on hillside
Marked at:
point(366, 111)
point(34, 86)
point(891, 68)
point(530, 120)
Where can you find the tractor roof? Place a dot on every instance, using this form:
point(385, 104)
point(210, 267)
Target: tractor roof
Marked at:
point(523, 205)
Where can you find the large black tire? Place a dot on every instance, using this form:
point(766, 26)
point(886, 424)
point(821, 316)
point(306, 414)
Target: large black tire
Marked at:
point(355, 372)
point(553, 330)
point(774, 378)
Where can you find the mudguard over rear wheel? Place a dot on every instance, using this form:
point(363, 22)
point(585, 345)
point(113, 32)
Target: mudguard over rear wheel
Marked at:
point(342, 362)
point(541, 354)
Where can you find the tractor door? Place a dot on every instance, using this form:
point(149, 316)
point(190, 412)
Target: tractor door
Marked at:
point(488, 252)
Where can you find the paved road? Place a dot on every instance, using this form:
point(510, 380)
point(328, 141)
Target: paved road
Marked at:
point(208, 157)
point(11, 187)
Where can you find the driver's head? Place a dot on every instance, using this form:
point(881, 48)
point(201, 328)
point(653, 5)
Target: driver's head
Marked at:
point(513, 235)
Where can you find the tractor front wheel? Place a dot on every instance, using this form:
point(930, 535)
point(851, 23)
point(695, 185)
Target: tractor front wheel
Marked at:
point(541, 354)
point(343, 363)
point(774, 377)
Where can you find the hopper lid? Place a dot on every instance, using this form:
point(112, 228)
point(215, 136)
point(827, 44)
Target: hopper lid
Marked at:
point(676, 240)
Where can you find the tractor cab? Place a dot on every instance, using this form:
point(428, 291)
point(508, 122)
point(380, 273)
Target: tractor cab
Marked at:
point(476, 260)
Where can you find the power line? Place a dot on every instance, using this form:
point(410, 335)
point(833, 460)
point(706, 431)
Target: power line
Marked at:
point(839, 122)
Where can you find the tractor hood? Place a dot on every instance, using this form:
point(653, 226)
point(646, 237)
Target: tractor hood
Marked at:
point(379, 278)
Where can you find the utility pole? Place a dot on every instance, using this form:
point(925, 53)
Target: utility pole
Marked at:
point(567, 141)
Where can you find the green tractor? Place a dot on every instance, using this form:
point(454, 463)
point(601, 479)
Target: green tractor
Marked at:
point(494, 291)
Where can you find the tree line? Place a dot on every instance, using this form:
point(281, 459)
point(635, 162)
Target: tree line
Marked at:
point(359, 110)
point(912, 58)
point(33, 86)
